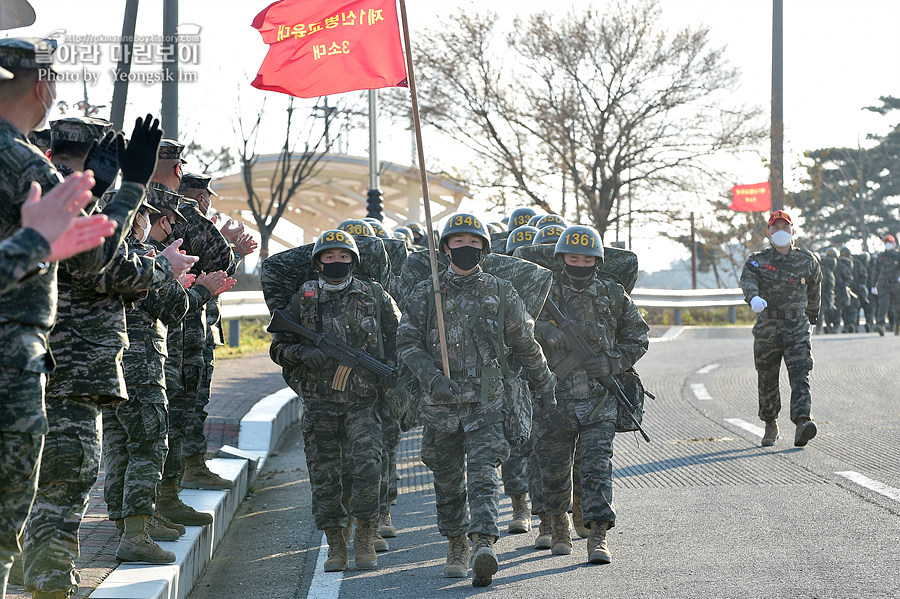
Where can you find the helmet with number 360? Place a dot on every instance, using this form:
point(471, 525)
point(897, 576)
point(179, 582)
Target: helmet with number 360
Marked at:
point(466, 223)
point(335, 239)
point(357, 228)
point(580, 239)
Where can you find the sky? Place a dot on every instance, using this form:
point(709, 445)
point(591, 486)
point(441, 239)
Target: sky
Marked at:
point(839, 57)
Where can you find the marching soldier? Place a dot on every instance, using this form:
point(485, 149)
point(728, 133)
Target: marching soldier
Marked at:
point(587, 410)
point(463, 441)
point(342, 430)
point(783, 284)
point(887, 282)
point(844, 284)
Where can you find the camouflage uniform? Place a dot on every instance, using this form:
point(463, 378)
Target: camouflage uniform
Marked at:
point(342, 430)
point(860, 288)
point(27, 313)
point(844, 283)
point(829, 312)
point(586, 411)
point(134, 431)
point(20, 254)
point(89, 339)
point(791, 285)
point(887, 273)
point(463, 442)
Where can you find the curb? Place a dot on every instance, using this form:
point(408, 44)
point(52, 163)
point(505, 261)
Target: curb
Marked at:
point(260, 430)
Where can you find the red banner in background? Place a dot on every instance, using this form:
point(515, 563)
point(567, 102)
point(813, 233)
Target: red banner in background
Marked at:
point(322, 47)
point(751, 198)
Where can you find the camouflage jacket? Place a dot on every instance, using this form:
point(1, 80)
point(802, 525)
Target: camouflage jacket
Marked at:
point(147, 321)
point(790, 283)
point(828, 265)
point(887, 269)
point(197, 296)
point(351, 315)
point(611, 323)
point(20, 254)
point(90, 334)
point(475, 331)
point(28, 311)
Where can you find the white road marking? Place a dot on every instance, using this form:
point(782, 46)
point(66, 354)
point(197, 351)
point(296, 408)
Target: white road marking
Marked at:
point(708, 368)
point(750, 428)
point(325, 585)
point(700, 392)
point(872, 485)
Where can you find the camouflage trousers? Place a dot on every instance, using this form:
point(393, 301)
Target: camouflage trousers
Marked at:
point(69, 468)
point(343, 455)
point(195, 437)
point(181, 413)
point(773, 341)
point(521, 474)
point(464, 463)
point(391, 431)
point(20, 458)
point(557, 440)
point(134, 439)
point(888, 298)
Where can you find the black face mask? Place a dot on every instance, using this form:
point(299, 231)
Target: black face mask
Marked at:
point(465, 257)
point(336, 271)
point(580, 275)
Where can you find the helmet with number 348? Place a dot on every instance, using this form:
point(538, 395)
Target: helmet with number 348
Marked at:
point(335, 239)
point(580, 239)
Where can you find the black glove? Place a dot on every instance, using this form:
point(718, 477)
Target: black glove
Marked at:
point(547, 400)
point(138, 157)
point(102, 159)
point(314, 358)
point(550, 337)
point(598, 367)
point(444, 389)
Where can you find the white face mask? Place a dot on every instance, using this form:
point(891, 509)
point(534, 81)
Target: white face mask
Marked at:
point(47, 109)
point(781, 239)
point(889, 246)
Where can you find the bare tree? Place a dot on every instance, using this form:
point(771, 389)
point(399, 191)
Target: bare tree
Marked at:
point(292, 168)
point(609, 101)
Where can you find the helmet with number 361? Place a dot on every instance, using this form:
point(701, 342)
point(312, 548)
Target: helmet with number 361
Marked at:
point(335, 239)
point(580, 239)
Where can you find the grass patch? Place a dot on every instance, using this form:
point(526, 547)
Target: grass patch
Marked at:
point(698, 316)
point(254, 339)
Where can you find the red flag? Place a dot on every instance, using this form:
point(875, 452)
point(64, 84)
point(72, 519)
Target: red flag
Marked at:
point(321, 47)
point(751, 198)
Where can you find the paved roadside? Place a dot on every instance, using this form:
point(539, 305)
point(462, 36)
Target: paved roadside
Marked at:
point(237, 384)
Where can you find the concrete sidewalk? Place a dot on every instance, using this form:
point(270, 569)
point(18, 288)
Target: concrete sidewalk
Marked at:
point(237, 386)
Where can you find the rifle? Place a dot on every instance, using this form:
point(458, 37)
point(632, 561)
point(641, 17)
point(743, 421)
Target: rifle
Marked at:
point(346, 356)
point(581, 352)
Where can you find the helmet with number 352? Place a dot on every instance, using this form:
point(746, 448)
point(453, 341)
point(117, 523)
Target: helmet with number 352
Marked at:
point(335, 239)
point(466, 223)
point(580, 239)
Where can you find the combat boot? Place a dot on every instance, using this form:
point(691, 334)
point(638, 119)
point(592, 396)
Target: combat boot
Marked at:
point(168, 523)
point(137, 546)
point(578, 517)
point(338, 552)
point(561, 536)
point(198, 476)
point(896, 331)
point(484, 561)
point(521, 516)
point(771, 434)
point(457, 565)
point(597, 548)
point(386, 525)
point(348, 530)
point(381, 544)
point(169, 504)
point(160, 532)
point(806, 430)
point(879, 329)
point(364, 545)
point(543, 540)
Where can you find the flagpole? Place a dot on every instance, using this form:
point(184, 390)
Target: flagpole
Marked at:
point(423, 175)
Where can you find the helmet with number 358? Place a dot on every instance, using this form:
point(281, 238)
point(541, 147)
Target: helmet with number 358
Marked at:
point(335, 239)
point(580, 239)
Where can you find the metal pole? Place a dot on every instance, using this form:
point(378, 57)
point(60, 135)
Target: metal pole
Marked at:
point(693, 254)
point(438, 304)
point(776, 177)
point(123, 69)
point(373, 141)
point(169, 111)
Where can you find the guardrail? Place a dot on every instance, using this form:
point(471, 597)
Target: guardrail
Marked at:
point(250, 304)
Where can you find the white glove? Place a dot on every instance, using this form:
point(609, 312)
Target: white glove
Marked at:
point(874, 290)
point(758, 304)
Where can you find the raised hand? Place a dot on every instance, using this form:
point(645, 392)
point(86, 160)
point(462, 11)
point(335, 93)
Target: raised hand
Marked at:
point(232, 230)
point(137, 158)
point(216, 282)
point(245, 245)
point(181, 262)
point(102, 159)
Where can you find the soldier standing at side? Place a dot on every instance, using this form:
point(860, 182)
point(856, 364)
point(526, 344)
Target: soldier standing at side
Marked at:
point(783, 285)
